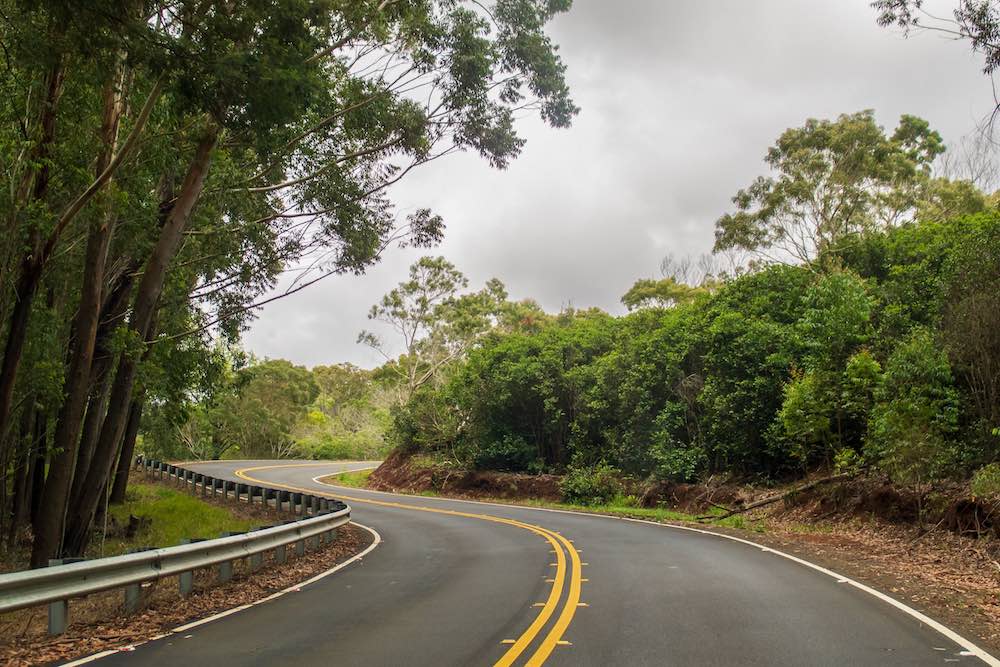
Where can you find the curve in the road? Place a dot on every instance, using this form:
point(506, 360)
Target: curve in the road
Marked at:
point(561, 547)
point(447, 587)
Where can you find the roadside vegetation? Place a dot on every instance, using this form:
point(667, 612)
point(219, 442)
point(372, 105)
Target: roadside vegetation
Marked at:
point(154, 515)
point(358, 480)
point(165, 165)
point(858, 335)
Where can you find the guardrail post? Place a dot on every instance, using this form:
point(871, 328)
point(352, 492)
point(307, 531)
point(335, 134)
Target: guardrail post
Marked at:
point(257, 559)
point(133, 598)
point(280, 499)
point(59, 610)
point(300, 548)
point(186, 579)
point(280, 555)
point(225, 571)
point(58, 616)
point(315, 505)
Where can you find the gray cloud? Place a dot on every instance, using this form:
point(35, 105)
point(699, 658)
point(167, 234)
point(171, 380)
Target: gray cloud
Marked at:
point(680, 101)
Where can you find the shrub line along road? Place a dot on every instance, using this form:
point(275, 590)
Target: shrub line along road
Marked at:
point(462, 583)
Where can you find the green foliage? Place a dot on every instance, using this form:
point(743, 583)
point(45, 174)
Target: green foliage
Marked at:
point(356, 479)
point(663, 293)
point(833, 178)
point(348, 419)
point(164, 165)
point(915, 421)
point(986, 482)
point(436, 323)
point(775, 373)
point(594, 485)
point(172, 516)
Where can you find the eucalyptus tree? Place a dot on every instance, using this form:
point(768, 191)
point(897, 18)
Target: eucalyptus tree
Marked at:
point(434, 322)
point(256, 137)
point(831, 179)
point(977, 21)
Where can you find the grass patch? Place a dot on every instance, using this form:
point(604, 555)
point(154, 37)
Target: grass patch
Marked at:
point(357, 479)
point(173, 516)
point(627, 507)
point(615, 508)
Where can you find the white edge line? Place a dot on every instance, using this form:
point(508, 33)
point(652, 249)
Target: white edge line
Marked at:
point(377, 539)
point(964, 643)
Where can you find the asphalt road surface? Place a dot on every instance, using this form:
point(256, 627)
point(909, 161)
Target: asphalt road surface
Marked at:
point(459, 583)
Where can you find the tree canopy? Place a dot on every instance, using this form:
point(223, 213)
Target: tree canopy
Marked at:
point(166, 163)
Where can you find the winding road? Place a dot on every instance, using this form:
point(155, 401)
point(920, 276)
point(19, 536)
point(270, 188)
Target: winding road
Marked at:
point(463, 583)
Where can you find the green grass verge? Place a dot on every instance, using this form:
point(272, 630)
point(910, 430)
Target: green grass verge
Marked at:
point(357, 479)
point(625, 508)
point(172, 515)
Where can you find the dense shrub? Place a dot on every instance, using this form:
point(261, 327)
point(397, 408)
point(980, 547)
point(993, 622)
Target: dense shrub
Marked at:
point(886, 356)
point(595, 485)
point(986, 482)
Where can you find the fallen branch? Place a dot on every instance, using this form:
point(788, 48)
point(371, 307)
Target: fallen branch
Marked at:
point(781, 496)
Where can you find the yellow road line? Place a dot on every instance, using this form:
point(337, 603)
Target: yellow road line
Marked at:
point(554, 637)
point(548, 608)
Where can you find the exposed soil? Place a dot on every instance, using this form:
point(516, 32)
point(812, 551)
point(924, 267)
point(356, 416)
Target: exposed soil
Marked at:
point(946, 565)
point(98, 622)
point(400, 473)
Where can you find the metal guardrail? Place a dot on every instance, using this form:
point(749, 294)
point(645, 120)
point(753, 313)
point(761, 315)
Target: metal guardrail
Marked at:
point(58, 583)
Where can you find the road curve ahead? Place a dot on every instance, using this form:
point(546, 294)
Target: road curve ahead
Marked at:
point(461, 583)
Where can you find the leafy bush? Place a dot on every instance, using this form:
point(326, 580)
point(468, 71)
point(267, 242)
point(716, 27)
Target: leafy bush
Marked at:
point(986, 481)
point(595, 485)
point(511, 453)
point(916, 419)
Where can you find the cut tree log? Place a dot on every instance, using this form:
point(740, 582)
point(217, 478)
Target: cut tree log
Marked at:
point(780, 496)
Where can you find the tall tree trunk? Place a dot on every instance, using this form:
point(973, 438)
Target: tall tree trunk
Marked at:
point(41, 453)
point(33, 187)
point(91, 430)
point(101, 376)
point(146, 300)
point(128, 449)
point(49, 529)
point(19, 502)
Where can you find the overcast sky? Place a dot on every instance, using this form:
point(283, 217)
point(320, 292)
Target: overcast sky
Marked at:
point(679, 102)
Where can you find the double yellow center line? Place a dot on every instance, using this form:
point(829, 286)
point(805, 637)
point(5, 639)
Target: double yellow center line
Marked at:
point(567, 562)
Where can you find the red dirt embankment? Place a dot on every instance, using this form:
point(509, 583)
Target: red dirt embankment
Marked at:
point(402, 473)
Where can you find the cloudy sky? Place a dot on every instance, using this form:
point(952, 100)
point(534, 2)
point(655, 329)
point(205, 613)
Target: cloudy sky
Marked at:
point(680, 100)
